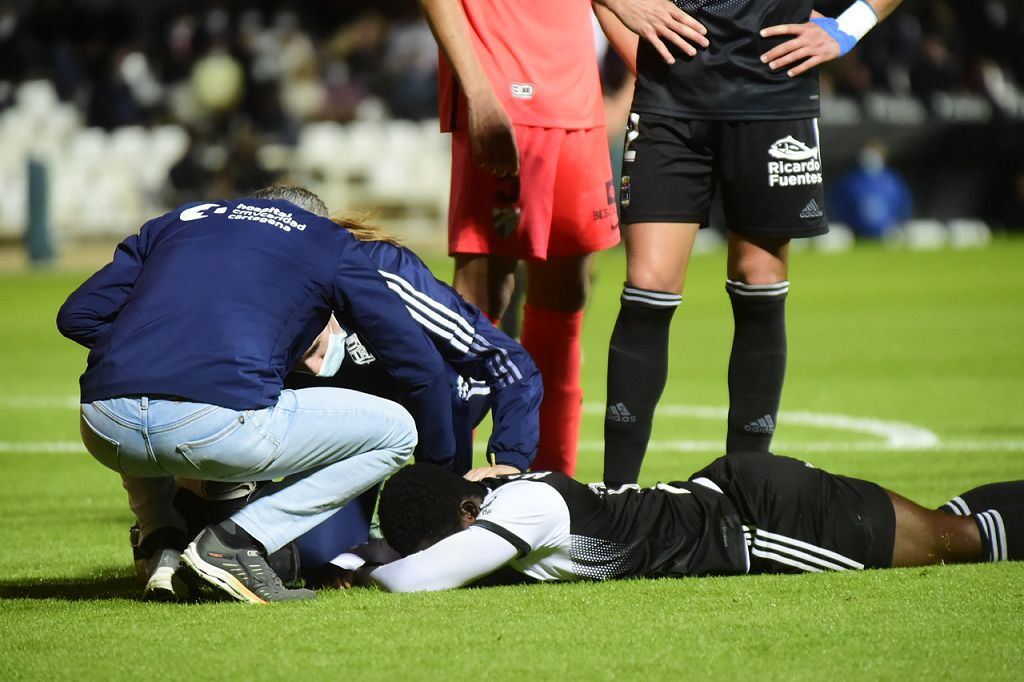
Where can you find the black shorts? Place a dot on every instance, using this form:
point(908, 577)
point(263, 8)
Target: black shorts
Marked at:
point(799, 518)
point(769, 174)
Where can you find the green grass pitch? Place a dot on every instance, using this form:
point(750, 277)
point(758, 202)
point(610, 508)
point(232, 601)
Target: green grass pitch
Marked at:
point(905, 368)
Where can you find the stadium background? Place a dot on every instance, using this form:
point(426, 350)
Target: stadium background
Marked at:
point(133, 107)
point(905, 355)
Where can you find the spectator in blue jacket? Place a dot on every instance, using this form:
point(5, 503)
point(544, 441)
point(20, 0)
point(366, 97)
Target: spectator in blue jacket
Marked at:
point(192, 328)
point(872, 199)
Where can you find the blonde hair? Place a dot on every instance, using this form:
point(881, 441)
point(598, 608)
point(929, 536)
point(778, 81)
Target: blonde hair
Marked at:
point(364, 231)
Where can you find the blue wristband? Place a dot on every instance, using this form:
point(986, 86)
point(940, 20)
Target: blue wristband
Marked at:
point(831, 27)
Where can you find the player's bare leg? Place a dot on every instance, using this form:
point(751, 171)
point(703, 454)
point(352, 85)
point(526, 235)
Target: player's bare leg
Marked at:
point(657, 256)
point(556, 294)
point(757, 273)
point(485, 281)
point(561, 283)
point(927, 536)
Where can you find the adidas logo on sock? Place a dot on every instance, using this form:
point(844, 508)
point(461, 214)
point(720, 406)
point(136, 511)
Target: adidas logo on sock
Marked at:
point(811, 210)
point(763, 425)
point(619, 413)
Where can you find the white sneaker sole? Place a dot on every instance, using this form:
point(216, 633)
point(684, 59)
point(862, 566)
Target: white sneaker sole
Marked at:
point(159, 586)
point(218, 577)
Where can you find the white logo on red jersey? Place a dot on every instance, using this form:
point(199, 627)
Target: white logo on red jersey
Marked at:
point(523, 90)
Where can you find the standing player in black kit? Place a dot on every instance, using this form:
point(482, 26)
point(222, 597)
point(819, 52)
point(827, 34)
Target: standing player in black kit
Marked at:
point(741, 112)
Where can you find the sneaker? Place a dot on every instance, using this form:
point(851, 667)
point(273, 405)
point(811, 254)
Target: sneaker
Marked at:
point(240, 573)
point(160, 570)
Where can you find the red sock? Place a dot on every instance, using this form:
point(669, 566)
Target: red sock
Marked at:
point(553, 339)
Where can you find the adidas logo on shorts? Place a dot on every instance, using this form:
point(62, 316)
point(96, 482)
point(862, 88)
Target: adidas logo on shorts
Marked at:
point(811, 210)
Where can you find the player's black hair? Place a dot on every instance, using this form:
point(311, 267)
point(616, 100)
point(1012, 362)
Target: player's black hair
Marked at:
point(420, 504)
point(300, 196)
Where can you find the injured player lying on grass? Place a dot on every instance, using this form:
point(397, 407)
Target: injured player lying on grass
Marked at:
point(744, 513)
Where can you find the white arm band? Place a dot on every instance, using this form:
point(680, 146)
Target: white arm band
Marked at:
point(857, 20)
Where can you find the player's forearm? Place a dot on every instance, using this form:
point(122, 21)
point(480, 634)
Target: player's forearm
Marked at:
point(448, 21)
point(855, 21)
point(622, 40)
point(453, 562)
point(883, 8)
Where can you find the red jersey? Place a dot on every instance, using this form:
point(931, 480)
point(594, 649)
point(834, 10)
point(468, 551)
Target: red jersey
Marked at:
point(540, 58)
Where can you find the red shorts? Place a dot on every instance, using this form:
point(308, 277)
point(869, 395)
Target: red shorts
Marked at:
point(562, 203)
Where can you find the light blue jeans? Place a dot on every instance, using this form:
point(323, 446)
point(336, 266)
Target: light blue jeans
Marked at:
point(330, 445)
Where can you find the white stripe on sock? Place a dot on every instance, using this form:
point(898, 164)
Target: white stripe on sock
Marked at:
point(959, 506)
point(999, 534)
point(986, 530)
point(657, 303)
point(663, 295)
point(741, 289)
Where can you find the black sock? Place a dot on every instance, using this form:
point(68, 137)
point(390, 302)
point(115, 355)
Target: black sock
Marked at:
point(989, 496)
point(1002, 532)
point(163, 538)
point(637, 371)
point(757, 365)
point(236, 537)
point(998, 509)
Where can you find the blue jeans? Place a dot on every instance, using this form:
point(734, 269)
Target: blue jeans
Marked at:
point(329, 444)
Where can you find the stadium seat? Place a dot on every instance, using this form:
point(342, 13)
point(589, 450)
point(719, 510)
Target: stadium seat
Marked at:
point(969, 233)
point(925, 235)
point(36, 97)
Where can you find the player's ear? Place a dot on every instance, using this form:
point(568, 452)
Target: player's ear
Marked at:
point(468, 511)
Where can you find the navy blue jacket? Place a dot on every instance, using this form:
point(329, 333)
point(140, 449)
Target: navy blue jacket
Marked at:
point(215, 302)
point(489, 371)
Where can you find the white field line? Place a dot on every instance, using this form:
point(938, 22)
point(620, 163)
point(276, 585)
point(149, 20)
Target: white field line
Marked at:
point(42, 446)
point(39, 402)
point(895, 435)
point(709, 446)
point(887, 435)
point(783, 447)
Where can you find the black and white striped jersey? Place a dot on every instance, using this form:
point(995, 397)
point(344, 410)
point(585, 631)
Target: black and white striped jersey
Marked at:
point(566, 530)
point(746, 512)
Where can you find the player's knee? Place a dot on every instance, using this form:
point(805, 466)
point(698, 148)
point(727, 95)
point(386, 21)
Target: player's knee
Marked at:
point(398, 437)
point(758, 265)
point(406, 436)
point(485, 281)
point(569, 298)
point(655, 279)
point(649, 301)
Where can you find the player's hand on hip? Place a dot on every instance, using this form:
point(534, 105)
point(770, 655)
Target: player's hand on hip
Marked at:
point(492, 137)
point(657, 21)
point(808, 47)
point(481, 473)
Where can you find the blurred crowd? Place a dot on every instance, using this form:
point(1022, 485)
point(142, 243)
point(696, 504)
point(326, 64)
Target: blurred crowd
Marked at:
point(238, 74)
point(938, 46)
point(272, 65)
